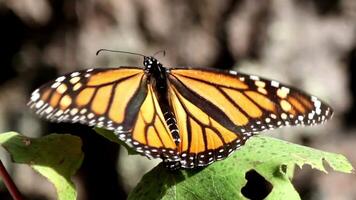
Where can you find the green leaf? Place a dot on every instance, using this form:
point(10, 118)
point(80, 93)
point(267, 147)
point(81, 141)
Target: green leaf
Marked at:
point(273, 159)
point(113, 138)
point(57, 157)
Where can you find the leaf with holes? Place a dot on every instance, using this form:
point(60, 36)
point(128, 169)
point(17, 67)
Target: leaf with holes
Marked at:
point(273, 159)
point(56, 157)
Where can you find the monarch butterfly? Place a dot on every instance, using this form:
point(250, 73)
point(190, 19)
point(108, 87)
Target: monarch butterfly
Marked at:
point(188, 117)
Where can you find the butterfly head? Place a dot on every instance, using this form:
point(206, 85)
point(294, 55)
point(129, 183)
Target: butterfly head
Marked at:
point(151, 64)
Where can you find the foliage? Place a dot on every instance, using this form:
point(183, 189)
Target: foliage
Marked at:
point(272, 158)
point(56, 157)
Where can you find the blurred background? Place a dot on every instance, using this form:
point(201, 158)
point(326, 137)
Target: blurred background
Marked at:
point(307, 44)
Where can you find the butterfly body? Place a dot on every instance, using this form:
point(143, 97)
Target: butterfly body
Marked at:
point(188, 117)
point(158, 78)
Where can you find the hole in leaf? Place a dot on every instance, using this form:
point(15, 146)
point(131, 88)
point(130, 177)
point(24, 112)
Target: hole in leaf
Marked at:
point(257, 187)
point(304, 182)
point(284, 168)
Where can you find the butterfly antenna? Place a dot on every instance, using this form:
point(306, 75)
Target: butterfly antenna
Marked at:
point(160, 51)
point(116, 51)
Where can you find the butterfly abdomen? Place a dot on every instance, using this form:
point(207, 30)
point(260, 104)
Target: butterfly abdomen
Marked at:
point(172, 125)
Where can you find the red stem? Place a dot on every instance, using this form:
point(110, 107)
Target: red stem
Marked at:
point(10, 185)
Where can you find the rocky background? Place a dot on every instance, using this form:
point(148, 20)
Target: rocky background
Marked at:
point(308, 44)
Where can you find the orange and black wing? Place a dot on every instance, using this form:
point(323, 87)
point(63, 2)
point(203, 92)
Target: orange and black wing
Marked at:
point(107, 98)
point(218, 111)
point(117, 99)
point(151, 134)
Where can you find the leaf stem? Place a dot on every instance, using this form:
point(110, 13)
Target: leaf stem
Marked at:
point(10, 185)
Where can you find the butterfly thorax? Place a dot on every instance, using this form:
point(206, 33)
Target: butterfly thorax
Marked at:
point(157, 77)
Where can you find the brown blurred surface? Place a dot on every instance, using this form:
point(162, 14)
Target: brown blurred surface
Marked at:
point(308, 44)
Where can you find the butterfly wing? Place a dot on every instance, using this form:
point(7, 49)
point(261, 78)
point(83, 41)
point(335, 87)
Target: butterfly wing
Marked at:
point(151, 134)
point(118, 99)
point(218, 111)
point(107, 98)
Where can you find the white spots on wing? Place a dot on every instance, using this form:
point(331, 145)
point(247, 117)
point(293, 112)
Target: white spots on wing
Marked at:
point(233, 72)
point(55, 85)
point(39, 104)
point(74, 111)
point(275, 84)
point(82, 118)
point(311, 115)
point(285, 105)
point(283, 92)
point(284, 116)
point(260, 84)
point(61, 88)
point(313, 98)
point(262, 90)
point(77, 86)
point(49, 110)
point(74, 80)
point(60, 79)
point(35, 95)
point(248, 134)
point(318, 111)
point(273, 116)
point(268, 120)
point(92, 122)
point(100, 124)
point(317, 103)
point(58, 113)
point(255, 78)
point(83, 111)
point(74, 74)
point(75, 118)
point(119, 128)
